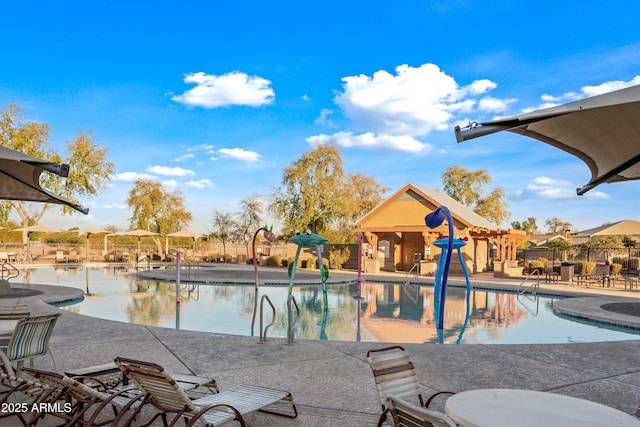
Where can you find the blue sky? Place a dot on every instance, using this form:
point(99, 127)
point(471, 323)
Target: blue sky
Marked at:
point(216, 98)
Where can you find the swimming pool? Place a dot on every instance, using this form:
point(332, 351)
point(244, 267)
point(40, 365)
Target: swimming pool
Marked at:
point(387, 312)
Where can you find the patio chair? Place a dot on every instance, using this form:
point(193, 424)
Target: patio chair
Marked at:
point(395, 374)
point(26, 391)
point(60, 257)
point(164, 393)
point(404, 414)
point(73, 257)
point(30, 338)
point(86, 403)
point(599, 275)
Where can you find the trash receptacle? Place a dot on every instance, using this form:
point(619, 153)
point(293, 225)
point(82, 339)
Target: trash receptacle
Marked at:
point(566, 271)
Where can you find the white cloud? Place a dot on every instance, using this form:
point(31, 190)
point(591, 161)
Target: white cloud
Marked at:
point(115, 206)
point(371, 140)
point(233, 88)
point(239, 154)
point(184, 157)
point(490, 104)
point(306, 97)
point(200, 184)
point(585, 91)
point(131, 176)
point(169, 171)
point(479, 87)
point(411, 103)
point(324, 119)
point(610, 86)
point(546, 188)
point(171, 184)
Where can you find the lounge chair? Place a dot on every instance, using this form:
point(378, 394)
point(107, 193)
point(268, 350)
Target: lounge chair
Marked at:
point(60, 257)
point(404, 414)
point(30, 338)
point(599, 275)
point(73, 257)
point(395, 374)
point(164, 393)
point(26, 391)
point(86, 404)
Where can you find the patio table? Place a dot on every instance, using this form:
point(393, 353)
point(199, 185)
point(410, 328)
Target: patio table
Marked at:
point(7, 326)
point(525, 408)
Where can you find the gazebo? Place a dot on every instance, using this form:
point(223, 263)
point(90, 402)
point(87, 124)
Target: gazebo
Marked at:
point(397, 237)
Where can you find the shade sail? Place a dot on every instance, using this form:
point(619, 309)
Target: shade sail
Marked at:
point(602, 131)
point(20, 179)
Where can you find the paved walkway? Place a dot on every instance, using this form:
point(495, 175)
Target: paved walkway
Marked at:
point(331, 381)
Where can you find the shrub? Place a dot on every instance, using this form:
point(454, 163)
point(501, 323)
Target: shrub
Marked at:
point(274, 261)
point(338, 256)
point(544, 261)
point(227, 258)
point(312, 263)
point(536, 265)
point(615, 269)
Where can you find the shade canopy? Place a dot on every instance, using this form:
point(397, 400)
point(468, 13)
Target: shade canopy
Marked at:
point(137, 233)
point(602, 131)
point(20, 179)
point(37, 229)
point(92, 230)
point(185, 233)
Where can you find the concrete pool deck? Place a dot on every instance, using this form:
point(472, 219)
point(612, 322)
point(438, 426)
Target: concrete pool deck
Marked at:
point(331, 381)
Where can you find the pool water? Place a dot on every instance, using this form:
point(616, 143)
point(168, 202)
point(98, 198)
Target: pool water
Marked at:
point(385, 312)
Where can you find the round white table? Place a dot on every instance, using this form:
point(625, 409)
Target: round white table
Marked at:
point(7, 326)
point(523, 408)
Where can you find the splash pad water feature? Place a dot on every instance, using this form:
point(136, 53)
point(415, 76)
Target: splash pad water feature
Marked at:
point(446, 244)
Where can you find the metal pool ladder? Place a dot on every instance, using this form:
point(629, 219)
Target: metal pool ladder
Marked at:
point(263, 331)
point(535, 284)
point(291, 325)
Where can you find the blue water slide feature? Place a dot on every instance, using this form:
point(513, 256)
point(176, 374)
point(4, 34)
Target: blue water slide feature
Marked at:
point(446, 245)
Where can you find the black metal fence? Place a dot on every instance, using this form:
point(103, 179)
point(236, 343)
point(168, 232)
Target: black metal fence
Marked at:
point(629, 258)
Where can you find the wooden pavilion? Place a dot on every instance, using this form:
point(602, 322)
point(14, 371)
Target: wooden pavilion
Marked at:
point(397, 238)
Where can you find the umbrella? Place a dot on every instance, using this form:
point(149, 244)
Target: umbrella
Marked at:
point(137, 233)
point(602, 131)
point(20, 179)
point(182, 233)
point(92, 230)
point(35, 229)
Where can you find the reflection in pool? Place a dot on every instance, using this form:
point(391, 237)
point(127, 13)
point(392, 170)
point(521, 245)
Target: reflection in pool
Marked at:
point(386, 312)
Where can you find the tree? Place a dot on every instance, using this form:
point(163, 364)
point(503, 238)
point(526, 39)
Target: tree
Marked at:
point(248, 220)
point(155, 209)
point(309, 199)
point(90, 171)
point(222, 227)
point(529, 225)
point(557, 226)
point(468, 187)
point(317, 195)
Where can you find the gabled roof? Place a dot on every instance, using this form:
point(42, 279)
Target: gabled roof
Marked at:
point(459, 212)
point(623, 227)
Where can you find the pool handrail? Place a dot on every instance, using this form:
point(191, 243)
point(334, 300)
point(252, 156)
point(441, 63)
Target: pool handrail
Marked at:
point(263, 331)
point(535, 272)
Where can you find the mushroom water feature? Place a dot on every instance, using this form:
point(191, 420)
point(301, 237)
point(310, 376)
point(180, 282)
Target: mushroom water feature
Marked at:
point(446, 244)
point(308, 240)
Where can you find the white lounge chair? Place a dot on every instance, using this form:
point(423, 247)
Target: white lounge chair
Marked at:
point(164, 393)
